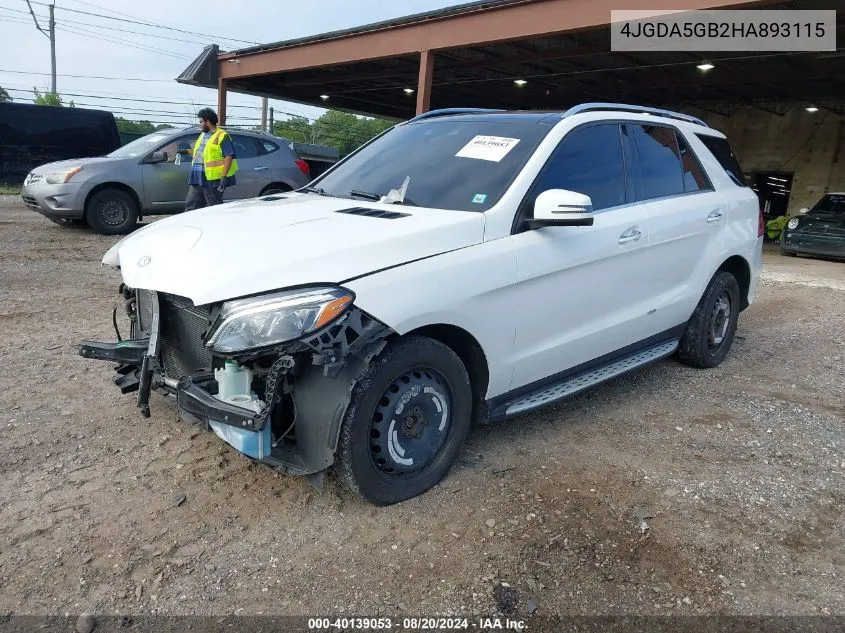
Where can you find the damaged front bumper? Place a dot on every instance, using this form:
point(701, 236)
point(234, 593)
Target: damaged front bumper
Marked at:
point(304, 386)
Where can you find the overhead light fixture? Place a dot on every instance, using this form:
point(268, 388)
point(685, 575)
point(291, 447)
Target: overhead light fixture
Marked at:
point(324, 97)
point(520, 82)
point(705, 67)
point(778, 179)
point(408, 91)
point(812, 109)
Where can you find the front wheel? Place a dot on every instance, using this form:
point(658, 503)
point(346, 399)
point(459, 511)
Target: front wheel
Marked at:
point(711, 328)
point(406, 421)
point(111, 212)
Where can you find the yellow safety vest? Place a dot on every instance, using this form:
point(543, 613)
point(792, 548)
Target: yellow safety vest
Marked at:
point(212, 156)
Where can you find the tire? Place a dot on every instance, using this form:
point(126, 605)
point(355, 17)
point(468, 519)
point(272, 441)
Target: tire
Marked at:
point(710, 331)
point(111, 212)
point(786, 253)
point(387, 457)
point(273, 190)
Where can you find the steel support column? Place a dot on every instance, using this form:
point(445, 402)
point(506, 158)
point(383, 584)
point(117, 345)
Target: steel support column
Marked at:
point(221, 101)
point(424, 82)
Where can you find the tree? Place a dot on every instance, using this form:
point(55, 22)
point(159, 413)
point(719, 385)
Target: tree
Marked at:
point(49, 99)
point(137, 127)
point(341, 130)
point(4, 95)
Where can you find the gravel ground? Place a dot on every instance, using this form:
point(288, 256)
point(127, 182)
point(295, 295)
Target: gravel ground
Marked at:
point(669, 491)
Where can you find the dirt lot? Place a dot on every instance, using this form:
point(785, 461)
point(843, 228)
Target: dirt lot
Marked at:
point(738, 474)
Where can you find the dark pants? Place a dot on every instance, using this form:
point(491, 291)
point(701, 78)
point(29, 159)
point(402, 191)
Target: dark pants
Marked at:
point(206, 195)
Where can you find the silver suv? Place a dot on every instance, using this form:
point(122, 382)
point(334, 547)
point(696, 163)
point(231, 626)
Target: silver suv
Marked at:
point(145, 177)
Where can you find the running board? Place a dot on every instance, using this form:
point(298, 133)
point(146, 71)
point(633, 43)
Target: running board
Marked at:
point(579, 382)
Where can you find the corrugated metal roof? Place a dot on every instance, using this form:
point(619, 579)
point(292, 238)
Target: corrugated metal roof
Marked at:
point(437, 14)
point(204, 70)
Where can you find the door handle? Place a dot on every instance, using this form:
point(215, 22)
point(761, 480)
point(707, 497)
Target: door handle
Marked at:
point(260, 168)
point(715, 216)
point(631, 235)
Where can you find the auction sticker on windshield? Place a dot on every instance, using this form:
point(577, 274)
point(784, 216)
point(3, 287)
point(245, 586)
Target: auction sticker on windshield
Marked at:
point(492, 148)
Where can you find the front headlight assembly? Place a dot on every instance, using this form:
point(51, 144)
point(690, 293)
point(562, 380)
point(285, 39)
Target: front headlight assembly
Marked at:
point(246, 324)
point(793, 223)
point(61, 177)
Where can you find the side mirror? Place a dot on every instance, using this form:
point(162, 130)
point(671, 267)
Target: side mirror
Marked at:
point(560, 207)
point(158, 157)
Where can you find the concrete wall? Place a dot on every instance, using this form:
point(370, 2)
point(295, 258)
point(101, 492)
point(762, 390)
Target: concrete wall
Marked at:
point(809, 144)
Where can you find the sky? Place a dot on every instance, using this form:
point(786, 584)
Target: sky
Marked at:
point(89, 44)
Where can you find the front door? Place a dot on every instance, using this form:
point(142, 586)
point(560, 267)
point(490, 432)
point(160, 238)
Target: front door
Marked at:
point(166, 184)
point(581, 292)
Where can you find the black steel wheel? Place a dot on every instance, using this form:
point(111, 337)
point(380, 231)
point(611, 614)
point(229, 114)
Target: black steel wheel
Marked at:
point(406, 422)
point(111, 212)
point(710, 331)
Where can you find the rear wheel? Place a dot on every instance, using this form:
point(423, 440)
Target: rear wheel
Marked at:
point(274, 189)
point(711, 329)
point(406, 422)
point(111, 212)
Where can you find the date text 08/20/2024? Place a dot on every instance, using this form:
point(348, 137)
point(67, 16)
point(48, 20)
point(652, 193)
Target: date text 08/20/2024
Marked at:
point(412, 624)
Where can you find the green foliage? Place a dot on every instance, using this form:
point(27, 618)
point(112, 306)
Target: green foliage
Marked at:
point(341, 130)
point(5, 97)
point(137, 127)
point(50, 99)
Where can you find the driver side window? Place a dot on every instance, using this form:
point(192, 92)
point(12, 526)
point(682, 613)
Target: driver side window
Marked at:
point(172, 148)
point(588, 160)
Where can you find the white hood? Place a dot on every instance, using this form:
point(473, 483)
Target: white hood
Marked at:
point(255, 246)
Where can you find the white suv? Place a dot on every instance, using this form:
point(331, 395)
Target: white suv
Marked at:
point(464, 265)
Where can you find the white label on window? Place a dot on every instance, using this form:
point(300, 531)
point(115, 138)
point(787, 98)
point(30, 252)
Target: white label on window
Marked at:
point(492, 148)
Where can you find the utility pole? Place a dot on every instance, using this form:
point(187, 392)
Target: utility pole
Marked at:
point(51, 35)
point(263, 114)
point(53, 46)
point(271, 121)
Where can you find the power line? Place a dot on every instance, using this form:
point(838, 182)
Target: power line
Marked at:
point(150, 24)
point(25, 72)
point(127, 43)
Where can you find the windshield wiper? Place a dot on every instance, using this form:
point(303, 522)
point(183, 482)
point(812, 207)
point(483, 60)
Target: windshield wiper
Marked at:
point(319, 191)
point(365, 194)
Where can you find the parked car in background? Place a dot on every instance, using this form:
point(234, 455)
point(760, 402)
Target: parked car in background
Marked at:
point(463, 265)
point(149, 177)
point(819, 231)
point(31, 135)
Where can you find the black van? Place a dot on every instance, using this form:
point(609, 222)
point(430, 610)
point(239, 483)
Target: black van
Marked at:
point(31, 135)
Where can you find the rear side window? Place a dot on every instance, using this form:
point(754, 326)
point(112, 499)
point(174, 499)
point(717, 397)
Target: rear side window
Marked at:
point(589, 161)
point(268, 147)
point(695, 178)
point(722, 152)
point(660, 172)
point(245, 146)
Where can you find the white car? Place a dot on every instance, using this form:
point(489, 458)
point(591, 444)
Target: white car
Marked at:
point(464, 265)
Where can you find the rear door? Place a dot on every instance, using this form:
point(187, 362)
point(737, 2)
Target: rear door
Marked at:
point(686, 220)
point(166, 184)
point(253, 169)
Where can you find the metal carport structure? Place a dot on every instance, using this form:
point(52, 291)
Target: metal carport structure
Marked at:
point(557, 50)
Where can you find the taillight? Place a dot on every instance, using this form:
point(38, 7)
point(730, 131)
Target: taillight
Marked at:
point(761, 227)
point(303, 166)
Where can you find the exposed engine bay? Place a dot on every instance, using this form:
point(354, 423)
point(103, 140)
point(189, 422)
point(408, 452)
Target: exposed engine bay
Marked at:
point(281, 404)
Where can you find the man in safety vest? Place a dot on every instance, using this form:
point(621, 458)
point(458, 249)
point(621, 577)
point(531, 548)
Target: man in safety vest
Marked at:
point(214, 164)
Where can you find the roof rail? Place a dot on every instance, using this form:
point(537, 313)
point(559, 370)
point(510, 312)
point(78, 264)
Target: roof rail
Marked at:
point(592, 107)
point(450, 111)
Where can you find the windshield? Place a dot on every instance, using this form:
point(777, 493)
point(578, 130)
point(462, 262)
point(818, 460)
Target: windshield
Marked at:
point(141, 146)
point(457, 163)
point(831, 204)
